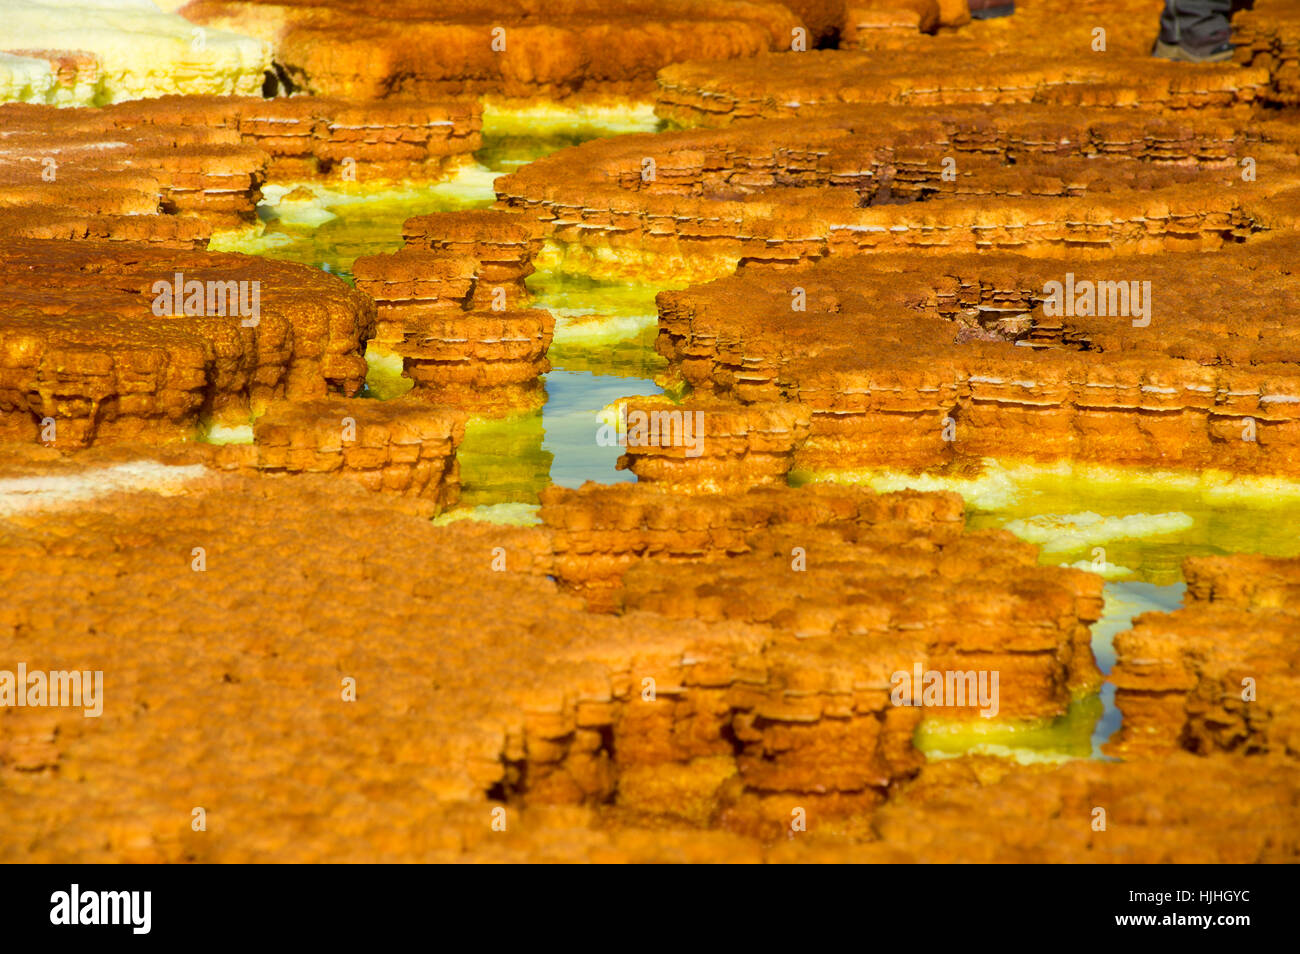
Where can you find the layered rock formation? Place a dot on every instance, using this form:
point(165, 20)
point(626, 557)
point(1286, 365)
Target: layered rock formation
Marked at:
point(912, 366)
point(696, 203)
point(1048, 54)
point(171, 170)
point(866, 20)
point(674, 671)
point(100, 343)
point(1182, 685)
point(452, 303)
point(523, 736)
point(718, 93)
point(450, 262)
point(486, 361)
point(300, 559)
point(390, 446)
point(1180, 810)
point(1268, 37)
point(711, 446)
point(317, 136)
point(702, 721)
point(134, 172)
point(842, 572)
point(932, 604)
point(575, 49)
point(602, 530)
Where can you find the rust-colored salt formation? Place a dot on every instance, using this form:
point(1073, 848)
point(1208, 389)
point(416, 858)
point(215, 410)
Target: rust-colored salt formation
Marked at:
point(905, 365)
point(485, 361)
point(714, 446)
point(718, 93)
point(601, 530)
point(452, 303)
point(391, 446)
point(1095, 182)
point(1222, 674)
point(839, 571)
point(667, 670)
point(552, 49)
point(301, 558)
point(633, 737)
point(1268, 37)
point(123, 341)
point(129, 172)
point(1178, 810)
point(1048, 54)
point(831, 22)
point(314, 136)
point(451, 262)
point(865, 20)
point(705, 722)
point(170, 170)
point(932, 602)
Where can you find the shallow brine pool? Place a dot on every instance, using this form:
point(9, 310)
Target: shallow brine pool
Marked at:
point(1132, 528)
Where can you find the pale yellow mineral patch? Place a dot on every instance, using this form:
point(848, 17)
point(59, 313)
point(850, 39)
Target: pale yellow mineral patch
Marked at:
point(58, 491)
point(91, 52)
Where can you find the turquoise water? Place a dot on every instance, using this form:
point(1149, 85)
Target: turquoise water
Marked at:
point(1124, 601)
point(569, 420)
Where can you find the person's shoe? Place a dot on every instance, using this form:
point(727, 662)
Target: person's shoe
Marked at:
point(1181, 54)
point(989, 9)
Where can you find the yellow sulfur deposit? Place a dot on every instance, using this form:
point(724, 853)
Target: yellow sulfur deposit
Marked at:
point(104, 51)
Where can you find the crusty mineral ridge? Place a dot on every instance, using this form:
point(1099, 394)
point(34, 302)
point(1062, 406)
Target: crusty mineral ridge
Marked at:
point(225, 686)
point(66, 52)
point(1269, 37)
point(1044, 31)
point(822, 18)
point(452, 303)
point(712, 446)
point(229, 684)
point(451, 261)
point(1226, 809)
point(1088, 182)
point(135, 172)
point(978, 604)
point(855, 570)
point(552, 49)
point(1223, 672)
point(170, 170)
point(721, 92)
point(485, 361)
point(659, 672)
point(907, 364)
point(602, 530)
point(211, 602)
point(844, 574)
point(228, 618)
point(844, 21)
point(310, 136)
point(93, 349)
point(1047, 54)
point(400, 446)
point(865, 20)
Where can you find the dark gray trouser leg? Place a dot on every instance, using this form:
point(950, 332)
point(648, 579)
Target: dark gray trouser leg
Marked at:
point(1195, 24)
